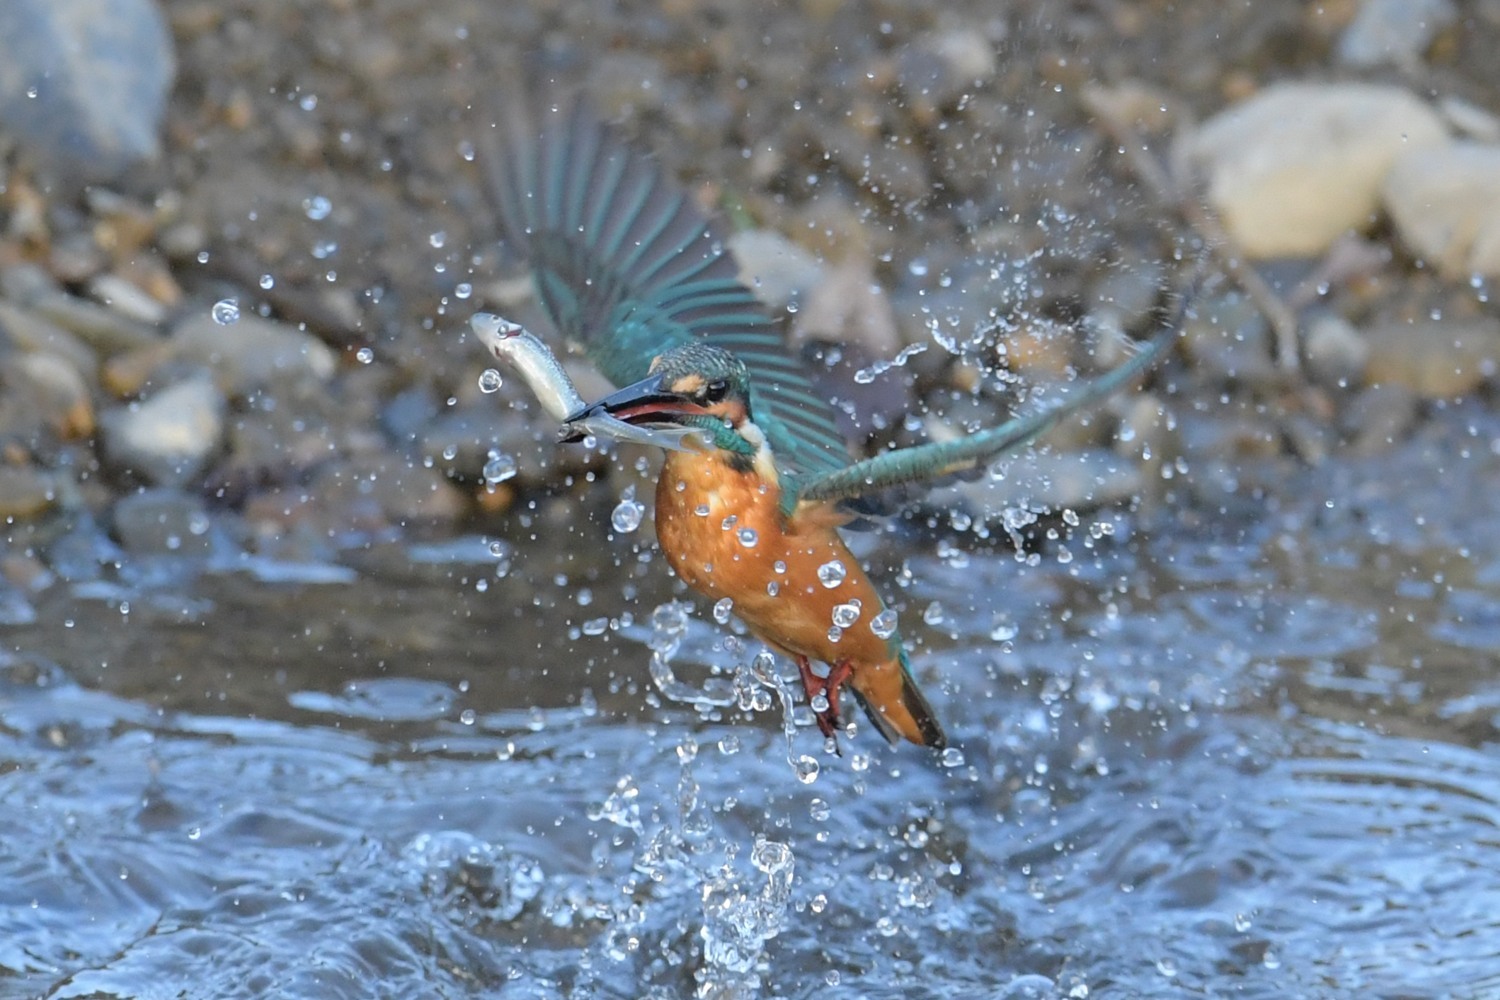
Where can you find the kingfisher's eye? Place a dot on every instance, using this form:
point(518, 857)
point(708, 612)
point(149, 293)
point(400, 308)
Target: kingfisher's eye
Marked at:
point(715, 391)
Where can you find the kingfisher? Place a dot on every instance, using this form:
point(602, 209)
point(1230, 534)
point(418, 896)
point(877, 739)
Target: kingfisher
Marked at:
point(629, 267)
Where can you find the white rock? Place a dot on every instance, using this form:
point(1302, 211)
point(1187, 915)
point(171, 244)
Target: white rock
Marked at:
point(252, 352)
point(1446, 205)
point(774, 267)
point(168, 438)
point(1299, 164)
point(1393, 31)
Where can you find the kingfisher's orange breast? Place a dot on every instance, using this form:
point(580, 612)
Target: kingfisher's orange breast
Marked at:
point(723, 533)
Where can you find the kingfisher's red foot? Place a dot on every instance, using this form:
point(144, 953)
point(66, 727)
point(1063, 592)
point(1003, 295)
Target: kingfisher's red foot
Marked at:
point(828, 687)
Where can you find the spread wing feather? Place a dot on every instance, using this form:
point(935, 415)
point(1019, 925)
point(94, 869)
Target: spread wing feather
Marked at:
point(627, 266)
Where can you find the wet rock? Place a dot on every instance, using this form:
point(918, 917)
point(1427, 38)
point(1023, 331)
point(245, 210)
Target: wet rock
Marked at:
point(104, 330)
point(84, 83)
point(1125, 298)
point(58, 394)
point(168, 438)
point(1379, 417)
point(775, 268)
point(1336, 353)
point(1298, 165)
point(162, 522)
point(25, 492)
point(126, 298)
point(1093, 477)
point(1228, 337)
point(849, 307)
point(31, 333)
point(1393, 31)
point(252, 353)
point(369, 492)
point(1436, 359)
point(941, 66)
point(1445, 202)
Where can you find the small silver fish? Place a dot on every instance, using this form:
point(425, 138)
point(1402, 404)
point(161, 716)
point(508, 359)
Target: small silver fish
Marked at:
point(528, 357)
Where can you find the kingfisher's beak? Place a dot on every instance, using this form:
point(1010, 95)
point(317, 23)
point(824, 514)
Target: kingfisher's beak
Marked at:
point(647, 403)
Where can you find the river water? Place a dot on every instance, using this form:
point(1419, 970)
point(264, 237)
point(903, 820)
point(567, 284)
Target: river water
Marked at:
point(1196, 755)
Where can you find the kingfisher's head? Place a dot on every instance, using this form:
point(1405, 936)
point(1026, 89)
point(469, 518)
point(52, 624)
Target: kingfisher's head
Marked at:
point(694, 385)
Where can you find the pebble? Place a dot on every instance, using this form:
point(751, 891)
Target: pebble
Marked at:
point(777, 270)
point(25, 492)
point(1336, 353)
point(252, 353)
point(1229, 337)
point(1378, 417)
point(1298, 165)
point(85, 83)
point(168, 438)
point(59, 394)
point(1091, 477)
point(1445, 202)
point(849, 306)
point(162, 522)
point(104, 330)
point(1436, 359)
point(1393, 32)
point(31, 333)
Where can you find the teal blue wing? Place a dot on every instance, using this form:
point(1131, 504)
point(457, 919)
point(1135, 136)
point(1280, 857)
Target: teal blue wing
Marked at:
point(927, 462)
point(627, 266)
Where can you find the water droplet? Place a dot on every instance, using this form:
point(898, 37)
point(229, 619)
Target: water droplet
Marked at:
point(748, 537)
point(845, 615)
point(437, 239)
point(195, 833)
point(832, 573)
point(835, 633)
point(463, 290)
point(884, 624)
point(773, 588)
point(267, 282)
point(806, 769)
point(497, 548)
point(819, 810)
point(723, 609)
point(934, 614)
point(953, 757)
point(701, 510)
point(1242, 922)
point(819, 703)
point(728, 522)
point(499, 468)
point(490, 381)
point(364, 355)
point(467, 717)
point(226, 311)
point(626, 516)
point(317, 208)
point(1166, 967)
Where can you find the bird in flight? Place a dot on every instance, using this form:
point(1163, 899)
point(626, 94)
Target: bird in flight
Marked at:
point(628, 267)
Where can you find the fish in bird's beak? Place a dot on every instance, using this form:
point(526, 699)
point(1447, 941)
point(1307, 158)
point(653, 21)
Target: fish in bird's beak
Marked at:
point(647, 404)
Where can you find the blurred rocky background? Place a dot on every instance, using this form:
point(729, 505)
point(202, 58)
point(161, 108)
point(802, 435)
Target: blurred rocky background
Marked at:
point(240, 241)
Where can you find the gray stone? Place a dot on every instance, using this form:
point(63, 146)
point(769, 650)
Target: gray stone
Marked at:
point(774, 267)
point(168, 438)
point(25, 492)
point(1336, 353)
point(1445, 202)
point(84, 83)
point(1379, 417)
point(1229, 337)
point(252, 353)
point(162, 522)
point(31, 333)
point(1092, 477)
point(1295, 167)
point(1437, 359)
point(1393, 32)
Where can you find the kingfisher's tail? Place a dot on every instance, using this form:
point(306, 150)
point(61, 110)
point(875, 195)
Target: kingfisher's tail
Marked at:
point(896, 706)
